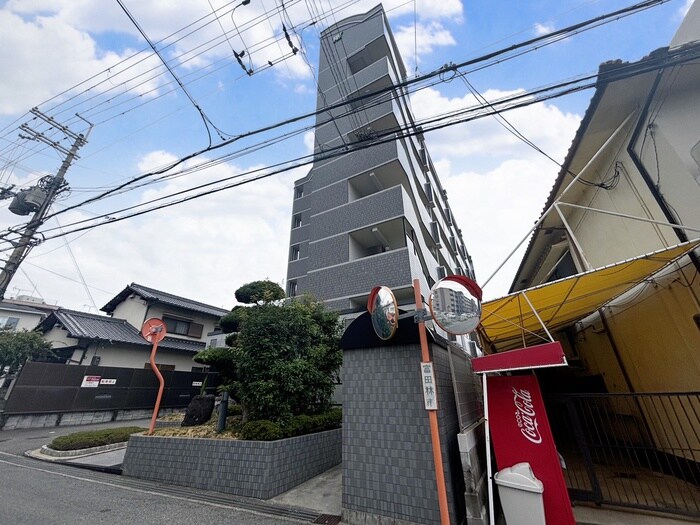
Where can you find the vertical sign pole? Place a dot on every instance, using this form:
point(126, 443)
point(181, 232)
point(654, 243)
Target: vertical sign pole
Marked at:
point(432, 414)
point(154, 331)
point(156, 408)
point(487, 433)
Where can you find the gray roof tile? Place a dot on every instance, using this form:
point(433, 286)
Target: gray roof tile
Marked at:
point(164, 298)
point(100, 327)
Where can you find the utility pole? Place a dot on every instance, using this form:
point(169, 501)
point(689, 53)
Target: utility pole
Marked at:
point(54, 184)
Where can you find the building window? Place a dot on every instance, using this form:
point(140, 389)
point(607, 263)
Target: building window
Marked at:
point(295, 253)
point(299, 192)
point(8, 323)
point(213, 343)
point(182, 327)
point(296, 221)
point(292, 288)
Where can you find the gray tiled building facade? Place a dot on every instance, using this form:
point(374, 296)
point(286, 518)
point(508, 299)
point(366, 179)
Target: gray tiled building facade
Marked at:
point(375, 215)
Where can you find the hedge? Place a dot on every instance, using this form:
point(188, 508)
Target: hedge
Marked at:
point(94, 438)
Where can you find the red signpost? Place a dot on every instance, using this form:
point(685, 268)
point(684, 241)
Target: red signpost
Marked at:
point(153, 331)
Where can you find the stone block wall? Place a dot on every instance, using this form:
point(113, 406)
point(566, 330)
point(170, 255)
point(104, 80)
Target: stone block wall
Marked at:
point(388, 468)
point(258, 469)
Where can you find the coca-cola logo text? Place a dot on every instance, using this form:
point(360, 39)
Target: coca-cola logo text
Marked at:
point(525, 415)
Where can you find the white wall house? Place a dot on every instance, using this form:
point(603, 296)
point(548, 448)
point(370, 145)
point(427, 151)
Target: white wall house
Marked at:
point(18, 317)
point(637, 159)
point(86, 339)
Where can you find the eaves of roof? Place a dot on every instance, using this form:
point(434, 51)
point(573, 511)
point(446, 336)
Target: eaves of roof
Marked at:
point(82, 325)
point(607, 68)
point(157, 296)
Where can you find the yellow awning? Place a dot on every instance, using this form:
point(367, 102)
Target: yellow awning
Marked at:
point(568, 300)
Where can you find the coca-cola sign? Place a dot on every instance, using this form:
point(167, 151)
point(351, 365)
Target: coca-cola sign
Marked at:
point(525, 415)
point(517, 411)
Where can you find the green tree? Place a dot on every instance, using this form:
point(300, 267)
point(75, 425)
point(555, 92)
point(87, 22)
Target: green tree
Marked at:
point(17, 347)
point(259, 292)
point(222, 360)
point(287, 359)
point(231, 322)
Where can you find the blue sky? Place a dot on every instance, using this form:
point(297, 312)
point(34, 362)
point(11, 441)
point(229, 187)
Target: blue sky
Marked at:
point(207, 248)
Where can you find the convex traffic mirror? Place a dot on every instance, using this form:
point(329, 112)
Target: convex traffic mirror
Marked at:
point(454, 304)
point(384, 312)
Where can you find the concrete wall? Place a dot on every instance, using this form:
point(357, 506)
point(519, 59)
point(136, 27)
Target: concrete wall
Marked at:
point(258, 469)
point(11, 422)
point(130, 356)
point(388, 468)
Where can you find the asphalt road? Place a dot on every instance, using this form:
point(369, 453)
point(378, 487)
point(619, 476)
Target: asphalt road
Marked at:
point(36, 492)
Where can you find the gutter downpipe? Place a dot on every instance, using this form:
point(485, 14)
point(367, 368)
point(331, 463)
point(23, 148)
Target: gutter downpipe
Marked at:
point(680, 233)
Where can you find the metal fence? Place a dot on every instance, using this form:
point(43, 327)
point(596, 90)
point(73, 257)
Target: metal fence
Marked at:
point(634, 450)
point(53, 387)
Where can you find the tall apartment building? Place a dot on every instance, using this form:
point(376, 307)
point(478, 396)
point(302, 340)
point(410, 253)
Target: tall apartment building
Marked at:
point(373, 216)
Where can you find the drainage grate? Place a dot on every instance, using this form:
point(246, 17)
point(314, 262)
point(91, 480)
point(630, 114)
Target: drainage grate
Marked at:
point(328, 519)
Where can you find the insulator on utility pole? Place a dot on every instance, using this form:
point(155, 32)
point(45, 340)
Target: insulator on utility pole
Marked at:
point(40, 201)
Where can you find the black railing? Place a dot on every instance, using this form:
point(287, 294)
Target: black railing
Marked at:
point(635, 450)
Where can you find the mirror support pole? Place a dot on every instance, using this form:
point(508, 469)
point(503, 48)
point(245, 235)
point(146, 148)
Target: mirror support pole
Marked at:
point(432, 414)
point(487, 436)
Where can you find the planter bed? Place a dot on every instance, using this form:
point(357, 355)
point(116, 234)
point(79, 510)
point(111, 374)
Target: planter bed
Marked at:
point(258, 469)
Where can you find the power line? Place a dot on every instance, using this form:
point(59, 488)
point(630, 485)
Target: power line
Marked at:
point(205, 119)
point(518, 101)
point(440, 73)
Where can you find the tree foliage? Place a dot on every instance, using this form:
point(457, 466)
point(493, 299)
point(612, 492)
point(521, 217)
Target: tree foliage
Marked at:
point(287, 359)
point(17, 347)
point(221, 360)
point(231, 322)
point(259, 292)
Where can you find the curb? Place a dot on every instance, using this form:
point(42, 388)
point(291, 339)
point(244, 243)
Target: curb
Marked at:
point(46, 451)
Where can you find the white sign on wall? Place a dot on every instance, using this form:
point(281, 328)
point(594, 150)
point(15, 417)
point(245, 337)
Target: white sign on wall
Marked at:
point(429, 388)
point(90, 381)
point(108, 381)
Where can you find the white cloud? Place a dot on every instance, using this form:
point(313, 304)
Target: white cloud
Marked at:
point(423, 38)
point(38, 51)
point(309, 141)
point(543, 29)
point(485, 140)
point(204, 249)
point(497, 186)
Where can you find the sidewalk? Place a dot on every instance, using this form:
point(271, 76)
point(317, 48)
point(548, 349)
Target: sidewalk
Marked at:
point(323, 493)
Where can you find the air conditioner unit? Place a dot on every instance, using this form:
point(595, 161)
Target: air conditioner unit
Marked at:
point(423, 159)
point(435, 232)
point(453, 244)
point(462, 251)
point(442, 272)
point(448, 216)
point(429, 192)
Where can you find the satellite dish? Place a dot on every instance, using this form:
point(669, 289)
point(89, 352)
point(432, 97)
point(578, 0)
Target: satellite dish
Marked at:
point(383, 311)
point(455, 304)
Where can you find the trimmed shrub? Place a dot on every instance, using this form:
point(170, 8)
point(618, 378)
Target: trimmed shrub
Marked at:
point(299, 425)
point(94, 438)
point(261, 430)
